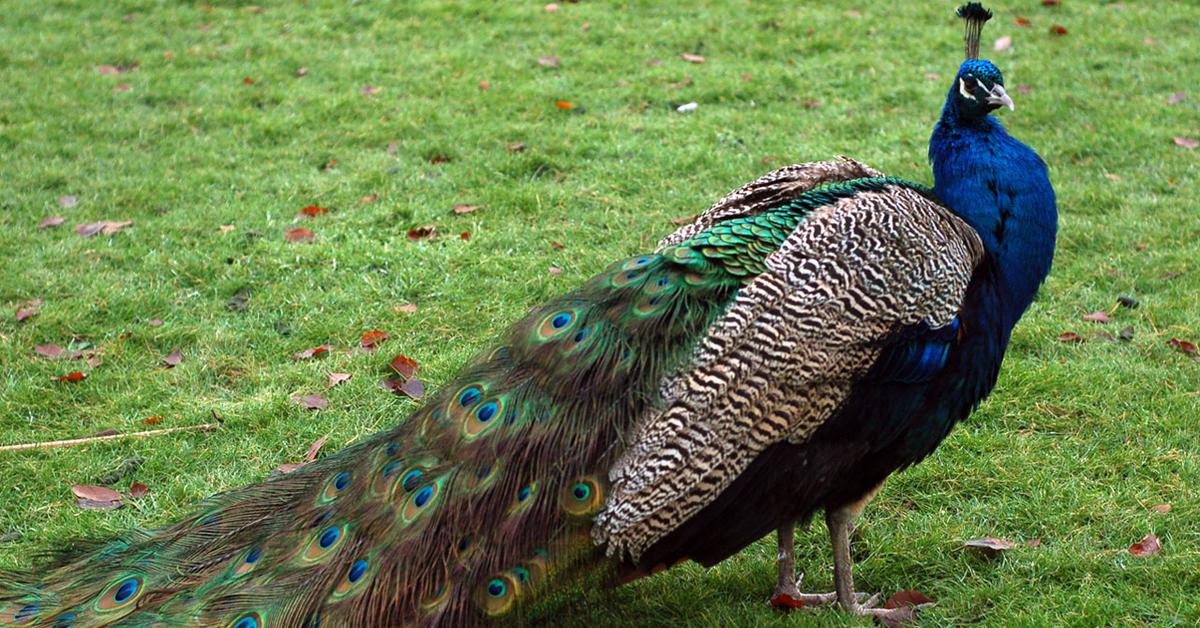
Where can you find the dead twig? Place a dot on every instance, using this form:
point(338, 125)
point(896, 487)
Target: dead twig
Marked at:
point(205, 427)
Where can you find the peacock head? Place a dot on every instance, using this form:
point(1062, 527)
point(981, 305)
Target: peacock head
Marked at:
point(978, 89)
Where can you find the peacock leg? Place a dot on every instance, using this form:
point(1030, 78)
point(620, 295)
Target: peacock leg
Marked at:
point(840, 522)
point(787, 591)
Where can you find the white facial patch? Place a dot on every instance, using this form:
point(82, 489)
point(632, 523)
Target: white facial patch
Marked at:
point(962, 89)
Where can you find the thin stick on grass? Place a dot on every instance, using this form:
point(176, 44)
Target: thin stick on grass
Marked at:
point(205, 427)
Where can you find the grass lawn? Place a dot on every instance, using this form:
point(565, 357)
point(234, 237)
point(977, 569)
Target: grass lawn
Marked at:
point(391, 126)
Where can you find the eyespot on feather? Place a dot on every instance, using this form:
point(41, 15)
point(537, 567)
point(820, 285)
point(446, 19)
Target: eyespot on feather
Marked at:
point(582, 498)
point(247, 561)
point(336, 485)
point(498, 595)
point(325, 542)
point(355, 575)
point(120, 594)
point(248, 620)
point(556, 324)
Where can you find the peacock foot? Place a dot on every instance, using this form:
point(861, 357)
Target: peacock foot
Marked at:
point(787, 596)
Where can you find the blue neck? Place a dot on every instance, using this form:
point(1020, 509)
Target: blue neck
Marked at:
point(1000, 187)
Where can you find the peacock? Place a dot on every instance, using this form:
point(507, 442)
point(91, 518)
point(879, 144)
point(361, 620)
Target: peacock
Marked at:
point(809, 334)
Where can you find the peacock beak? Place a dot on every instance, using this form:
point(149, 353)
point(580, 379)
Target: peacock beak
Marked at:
point(997, 96)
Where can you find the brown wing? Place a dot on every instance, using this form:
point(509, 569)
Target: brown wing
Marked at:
point(786, 354)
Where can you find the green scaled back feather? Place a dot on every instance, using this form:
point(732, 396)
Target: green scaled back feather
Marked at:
point(476, 500)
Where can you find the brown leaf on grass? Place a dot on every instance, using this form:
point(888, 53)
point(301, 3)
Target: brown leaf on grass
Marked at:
point(1022, 21)
point(301, 71)
point(315, 352)
point(155, 322)
point(29, 309)
point(1161, 508)
point(911, 597)
point(247, 81)
point(556, 245)
point(1184, 347)
point(368, 199)
point(71, 378)
point(692, 58)
point(315, 448)
point(464, 236)
point(50, 351)
point(551, 8)
point(113, 70)
point(905, 604)
point(440, 159)
point(108, 432)
point(227, 228)
point(372, 339)
point(312, 211)
point(1148, 546)
point(173, 359)
point(464, 209)
point(404, 365)
point(312, 402)
point(52, 221)
point(484, 86)
point(424, 232)
point(1187, 142)
point(120, 88)
point(90, 504)
point(369, 90)
point(1176, 98)
point(1058, 29)
point(554, 270)
point(1070, 336)
point(337, 378)
point(515, 147)
point(1049, 3)
point(1126, 333)
point(684, 220)
point(989, 546)
point(1002, 44)
point(152, 420)
point(95, 493)
point(405, 308)
point(549, 61)
point(93, 361)
point(412, 388)
point(299, 234)
point(1097, 317)
point(137, 490)
point(1112, 177)
point(1033, 543)
point(68, 201)
point(309, 457)
point(563, 104)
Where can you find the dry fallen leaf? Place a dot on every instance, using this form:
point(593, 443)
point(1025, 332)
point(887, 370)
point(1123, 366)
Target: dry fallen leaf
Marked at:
point(440, 159)
point(337, 378)
point(315, 352)
point(1161, 508)
point(1002, 43)
point(247, 81)
point(515, 147)
point(1148, 546)
point(51, 351)
point(151, 420)
point(1183, 346)
point(484, 85)
point(299, 234)
point(311, 454)
point(368, 199)
point(550, 61)
point(1022, 21)
point(369, 90)
point(1112, 177)
point(1176, 98)
point(684, 220)
point(227, 228)
point(464, 209)
point(551, 8)
point(404, 365)
point(1070, 336)
point(692, 58)
point(1097, 317)
point(95, 493)
point(555, 244)
point(1058, 29)
point(989, 546)
point(372, 339)
point(555, 270)
point(137, 490)
point(464, 236)
point(313, 211)
point(52, 221)
point(173, 359)
point(68, 201)
point(312, 402)
point(1049, 3)
point(29, 309)
point(562, 104)
point(406, 308)
point(155, 322)
point(71, 378)
point(425, 232)
point(1187, 142)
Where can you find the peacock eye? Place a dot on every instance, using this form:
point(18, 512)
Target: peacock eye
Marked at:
point(969, 82)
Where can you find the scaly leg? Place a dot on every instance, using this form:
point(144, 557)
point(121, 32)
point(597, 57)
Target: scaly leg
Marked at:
point(839, 522)
point(787, 591)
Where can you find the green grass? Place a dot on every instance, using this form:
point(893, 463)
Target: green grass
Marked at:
point(1076, 445)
